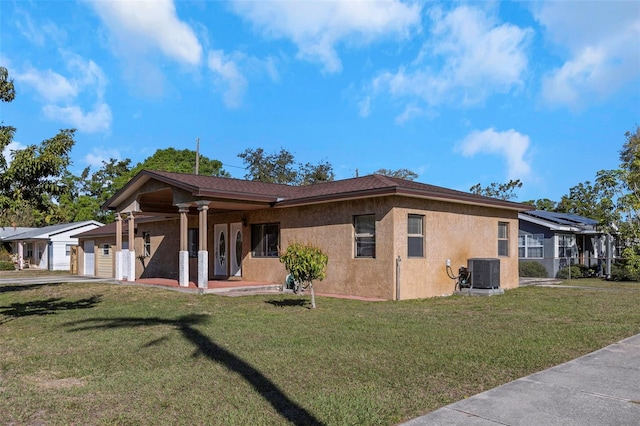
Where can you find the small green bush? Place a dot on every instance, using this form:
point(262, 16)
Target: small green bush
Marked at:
point(532, 269)
point(564, 274)
point(620, 273)
point(6, 265)
point(5, 255)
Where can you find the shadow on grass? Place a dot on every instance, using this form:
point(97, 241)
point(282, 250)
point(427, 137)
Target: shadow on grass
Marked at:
point(287, 408)
point(23, 287)
point(288, 302)
point(46, 307)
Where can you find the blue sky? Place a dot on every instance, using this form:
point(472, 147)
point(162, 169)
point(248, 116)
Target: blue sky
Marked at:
point(459, 92)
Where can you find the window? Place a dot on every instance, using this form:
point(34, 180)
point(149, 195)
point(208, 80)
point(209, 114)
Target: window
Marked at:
point(146, 250)
point(365, 235)
point(192, 242)
point(503, 239)
point(566, 245)
point(265, 239)
point(531, 246)
point(415, 241)
point(105, 249)
point(67, 250)
point(29, 250)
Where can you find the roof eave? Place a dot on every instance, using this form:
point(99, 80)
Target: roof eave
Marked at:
point(382, 192)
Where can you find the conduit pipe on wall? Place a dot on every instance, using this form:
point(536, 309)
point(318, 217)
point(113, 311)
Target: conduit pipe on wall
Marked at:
point(398, 260)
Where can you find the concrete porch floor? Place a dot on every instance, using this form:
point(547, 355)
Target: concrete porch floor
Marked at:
point(231, 288)
point(213, 286)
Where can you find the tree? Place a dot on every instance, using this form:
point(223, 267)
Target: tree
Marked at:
point(629, 202)
point(400, 173)
point(179, 161)
point(305, 263)
point(7, 90)
point(503, 191)
point(88, 192)
point(32, 180)
point(321, 172)
point(280, 167)
point(542, 204)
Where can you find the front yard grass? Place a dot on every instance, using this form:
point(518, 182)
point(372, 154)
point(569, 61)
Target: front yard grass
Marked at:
point(109, 354)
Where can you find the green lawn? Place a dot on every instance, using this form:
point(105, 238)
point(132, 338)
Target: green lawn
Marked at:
point(109, 354)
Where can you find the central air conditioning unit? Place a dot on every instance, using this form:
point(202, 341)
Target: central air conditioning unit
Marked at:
point(484, 273)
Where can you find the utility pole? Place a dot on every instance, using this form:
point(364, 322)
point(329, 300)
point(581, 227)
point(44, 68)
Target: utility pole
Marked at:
point(197, 155)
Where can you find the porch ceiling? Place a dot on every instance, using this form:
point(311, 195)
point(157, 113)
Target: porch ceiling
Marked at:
point(161, 202)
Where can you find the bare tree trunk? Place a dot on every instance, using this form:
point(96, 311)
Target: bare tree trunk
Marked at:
point(313, 296)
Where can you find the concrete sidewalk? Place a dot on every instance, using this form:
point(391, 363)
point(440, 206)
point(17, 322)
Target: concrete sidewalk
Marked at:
point(601, 388)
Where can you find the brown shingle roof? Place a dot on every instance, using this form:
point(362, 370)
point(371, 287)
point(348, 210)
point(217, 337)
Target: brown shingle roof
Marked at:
point(286, 195)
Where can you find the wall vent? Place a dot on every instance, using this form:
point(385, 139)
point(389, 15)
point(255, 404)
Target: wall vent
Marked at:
point(484, 273)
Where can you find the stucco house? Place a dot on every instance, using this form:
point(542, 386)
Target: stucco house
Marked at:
point(385, 238)
point(557, 240)
point(48, 247)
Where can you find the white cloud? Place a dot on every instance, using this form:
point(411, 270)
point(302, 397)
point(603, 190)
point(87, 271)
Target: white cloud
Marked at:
point(97, 120)
point(140, 26)
point(469, 57)
point(99, 155)
point(409, 113)
point(228, 77)
point(7, 152)
point(316, 27)
point(510, 144)
point(601, 41)
point(50, 85)
point(63, 96)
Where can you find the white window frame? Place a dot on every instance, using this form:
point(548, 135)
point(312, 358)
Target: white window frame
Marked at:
point(146, 243)
point(503, 238)
point(363, 238)
point(414, 234)
point(573, 247)
point(526, 242)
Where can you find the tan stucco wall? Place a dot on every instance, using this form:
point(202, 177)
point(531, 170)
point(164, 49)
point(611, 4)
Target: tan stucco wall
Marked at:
point(451, 231)
point(165, 243)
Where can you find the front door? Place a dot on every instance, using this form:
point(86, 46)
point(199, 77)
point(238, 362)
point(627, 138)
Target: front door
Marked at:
point(236, 250)
point(221, 245)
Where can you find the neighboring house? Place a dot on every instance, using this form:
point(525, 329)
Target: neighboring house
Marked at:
point(48, 247)
point(385, 237)
point(557, 240)
point(10, 231)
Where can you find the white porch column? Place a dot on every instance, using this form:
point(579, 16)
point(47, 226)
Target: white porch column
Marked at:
point(119, 265)
point(20, 254)
point(183, 274)
point(203, 254)
point(131, 274)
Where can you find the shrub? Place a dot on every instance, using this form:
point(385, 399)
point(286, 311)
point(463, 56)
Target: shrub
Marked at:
point(6, 265)
point(305, 263)
point(572, 272)
point(620, 273)
point(532, 269)
point(5, 255)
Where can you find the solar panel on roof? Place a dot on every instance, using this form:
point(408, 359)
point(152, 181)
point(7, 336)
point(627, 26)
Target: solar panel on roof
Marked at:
point(562, 218)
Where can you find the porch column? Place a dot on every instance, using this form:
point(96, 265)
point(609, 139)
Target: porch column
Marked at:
point(131, 273)
point(183, 273)
point(20, 254)
point(203, 254)
point(118, 272)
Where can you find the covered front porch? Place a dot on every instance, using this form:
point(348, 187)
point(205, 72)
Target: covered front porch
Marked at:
point(208, 241)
